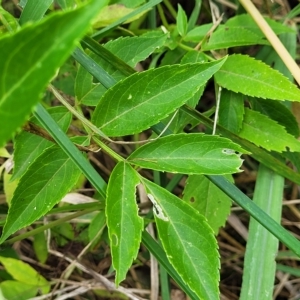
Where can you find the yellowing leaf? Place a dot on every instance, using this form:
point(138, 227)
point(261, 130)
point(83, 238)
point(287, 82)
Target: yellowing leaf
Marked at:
point(24, 273)
point(112, 13)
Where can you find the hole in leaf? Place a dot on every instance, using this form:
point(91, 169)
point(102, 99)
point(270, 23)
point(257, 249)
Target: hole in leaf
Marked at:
point(229, 151)
point(192, 200)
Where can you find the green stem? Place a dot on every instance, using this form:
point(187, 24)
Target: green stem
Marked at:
point(171, 9)
point(162, 16)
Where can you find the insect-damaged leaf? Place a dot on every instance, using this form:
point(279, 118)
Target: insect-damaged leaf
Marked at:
point(123, 222)
point(188, 240)
point(190, 154)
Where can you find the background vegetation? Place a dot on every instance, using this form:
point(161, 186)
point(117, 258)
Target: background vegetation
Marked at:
point(149, 150)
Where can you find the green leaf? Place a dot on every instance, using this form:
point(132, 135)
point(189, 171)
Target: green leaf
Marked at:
point(42, 48)
point(34, 10)
point(9, 22)
point(201, 194)
point(124, 224)
point(40, 247)
point(247, 22)
point(11, 289)
point(24, 273)
point(182, 119)
point(267, 133)
point(229, 36)
point(44, 184)
point(97, 224)
point(30, 146)
point(243, 74)
point(193, 153)
point(148, 5)
point(231, 110)
point(257, 153)
point(181, 21)
point(198, 33)
point(278, 112)
point(188, 240)
point(130, 49)
point(142, 99)
point(113, 13)
point(131, 3)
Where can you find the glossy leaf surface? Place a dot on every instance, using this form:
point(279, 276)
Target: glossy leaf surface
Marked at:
point(124, 224)
point(142, 99)
point(188, 240)
point(129, 49)
point(243, 74)
point(28, 68)
point(231, 112)
point(189, 154)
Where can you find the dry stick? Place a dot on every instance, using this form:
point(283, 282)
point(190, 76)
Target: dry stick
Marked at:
point(273, 39)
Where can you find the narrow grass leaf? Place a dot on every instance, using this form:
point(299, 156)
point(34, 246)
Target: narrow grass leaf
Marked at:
point(243, 74)
point(143, 99)
point(30, 146)
point(44, 184)
point(208, 200)
point(34, 10)
point(188, 240)
point(262, 246)
point(190, 154)
point(267, 133)
point(26, 69)
point(150, 4)
point(123, 222)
